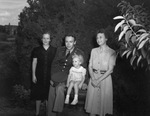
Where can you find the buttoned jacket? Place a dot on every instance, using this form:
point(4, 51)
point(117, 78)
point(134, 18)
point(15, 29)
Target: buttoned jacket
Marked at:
point(61, 63)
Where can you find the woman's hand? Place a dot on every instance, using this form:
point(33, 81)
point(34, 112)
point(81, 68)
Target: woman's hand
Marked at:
point(84, 86)
point(94, 83)
point(34, 80)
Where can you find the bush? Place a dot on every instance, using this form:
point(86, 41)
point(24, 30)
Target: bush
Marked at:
point(3, 36)
point(21, 95)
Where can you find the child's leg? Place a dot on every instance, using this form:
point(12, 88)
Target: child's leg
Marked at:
point(76, 89)
point(70, 87)
point(68, 92)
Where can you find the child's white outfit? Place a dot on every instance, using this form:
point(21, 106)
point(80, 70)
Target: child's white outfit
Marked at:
point(76, 76)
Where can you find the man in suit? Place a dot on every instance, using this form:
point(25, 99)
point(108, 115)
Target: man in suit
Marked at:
point(60, 70)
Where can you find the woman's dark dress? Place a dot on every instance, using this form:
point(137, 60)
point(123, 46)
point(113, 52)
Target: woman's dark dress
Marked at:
point(39, 91)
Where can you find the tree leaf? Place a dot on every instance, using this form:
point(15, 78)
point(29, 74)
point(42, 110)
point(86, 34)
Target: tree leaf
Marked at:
point(133, 39)
point(132, 60)
point(143, 36)
point(123, 32)
point(128, 54)
point(143, 43)
point(125, 28)
point(132, 21)
point(128, 35)
point(119, 24)
point(139, 60)
point(121, 35)
point(118, 17)
point(134, 50)
point(142, 30)
point(124, 53)
point(138, 25)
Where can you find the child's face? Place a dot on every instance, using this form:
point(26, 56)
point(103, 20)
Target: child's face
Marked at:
point(76, 62)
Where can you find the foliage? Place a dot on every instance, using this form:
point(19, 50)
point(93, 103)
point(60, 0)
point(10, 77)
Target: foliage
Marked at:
point(3, 36)
point(135, 35)
point(21, 95)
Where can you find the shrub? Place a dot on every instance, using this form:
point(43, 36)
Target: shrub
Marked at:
point(135, 35)
point(21, 95)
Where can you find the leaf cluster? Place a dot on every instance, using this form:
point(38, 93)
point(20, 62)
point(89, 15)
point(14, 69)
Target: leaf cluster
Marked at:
point(134, 35)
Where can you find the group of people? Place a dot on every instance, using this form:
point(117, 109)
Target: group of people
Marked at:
point(55, 69)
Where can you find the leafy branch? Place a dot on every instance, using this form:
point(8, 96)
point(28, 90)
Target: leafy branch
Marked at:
point(134, 35)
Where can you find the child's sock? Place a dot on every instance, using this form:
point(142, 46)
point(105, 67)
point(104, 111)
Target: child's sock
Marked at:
point(67, 99)
point(76, 96)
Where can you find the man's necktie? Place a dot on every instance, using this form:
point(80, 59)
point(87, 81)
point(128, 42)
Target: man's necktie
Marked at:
point(67, 53)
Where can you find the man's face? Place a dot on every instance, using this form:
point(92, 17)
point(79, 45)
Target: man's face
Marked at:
point(69, 42)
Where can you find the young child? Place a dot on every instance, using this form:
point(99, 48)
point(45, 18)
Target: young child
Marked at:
point(76, 78)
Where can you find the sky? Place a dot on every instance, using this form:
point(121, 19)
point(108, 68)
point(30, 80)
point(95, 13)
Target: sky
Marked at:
point(9, 11)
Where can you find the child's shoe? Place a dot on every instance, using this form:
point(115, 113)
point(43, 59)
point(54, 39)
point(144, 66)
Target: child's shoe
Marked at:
point(74, 102)
point(67, 100)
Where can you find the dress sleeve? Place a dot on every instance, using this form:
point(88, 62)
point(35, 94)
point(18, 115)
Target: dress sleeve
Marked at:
point(34, 53)
point(70, 71)
point(84, 72)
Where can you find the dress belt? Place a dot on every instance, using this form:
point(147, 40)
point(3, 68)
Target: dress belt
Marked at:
point(101, 71)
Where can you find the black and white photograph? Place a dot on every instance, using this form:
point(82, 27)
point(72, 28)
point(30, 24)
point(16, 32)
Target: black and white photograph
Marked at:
point(74, 57)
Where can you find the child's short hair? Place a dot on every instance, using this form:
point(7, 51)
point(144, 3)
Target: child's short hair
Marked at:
point(79, 56)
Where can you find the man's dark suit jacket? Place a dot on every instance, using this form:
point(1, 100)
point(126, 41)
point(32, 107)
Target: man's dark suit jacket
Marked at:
point(61, 63)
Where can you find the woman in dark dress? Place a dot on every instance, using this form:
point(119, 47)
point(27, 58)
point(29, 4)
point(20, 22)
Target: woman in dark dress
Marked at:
point(41, 68)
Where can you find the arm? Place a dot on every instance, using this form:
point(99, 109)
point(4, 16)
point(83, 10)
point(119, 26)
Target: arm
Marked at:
point(34, 64)
point(69, 76)
point(55, 61)
point(91, 66)
point(55, 64)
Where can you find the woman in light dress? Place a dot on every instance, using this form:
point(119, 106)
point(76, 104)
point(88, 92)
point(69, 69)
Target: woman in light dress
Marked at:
point(99, 99)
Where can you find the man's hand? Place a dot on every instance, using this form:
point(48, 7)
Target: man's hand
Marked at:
point(80, 86)
point(34, 80)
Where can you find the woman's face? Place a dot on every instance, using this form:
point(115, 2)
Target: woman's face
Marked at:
point(46, 39)
point(101, 39)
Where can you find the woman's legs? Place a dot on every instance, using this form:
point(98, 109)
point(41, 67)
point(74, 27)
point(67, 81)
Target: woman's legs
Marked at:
point(38, 103)
point(68, 92)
